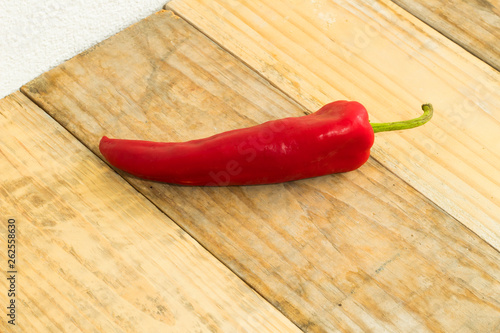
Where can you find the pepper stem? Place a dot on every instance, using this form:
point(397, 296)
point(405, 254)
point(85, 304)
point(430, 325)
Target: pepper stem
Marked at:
point(402, 125)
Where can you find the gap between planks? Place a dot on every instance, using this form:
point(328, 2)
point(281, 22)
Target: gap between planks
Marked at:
point(476, 39)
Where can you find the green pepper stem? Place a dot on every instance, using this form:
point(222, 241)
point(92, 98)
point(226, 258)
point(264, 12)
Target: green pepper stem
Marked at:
point(402, 125)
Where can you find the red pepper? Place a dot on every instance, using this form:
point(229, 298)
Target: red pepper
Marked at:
point(336, 138)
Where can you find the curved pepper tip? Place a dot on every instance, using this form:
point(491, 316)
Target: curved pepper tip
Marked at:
point(102, 144)
point(104, 139)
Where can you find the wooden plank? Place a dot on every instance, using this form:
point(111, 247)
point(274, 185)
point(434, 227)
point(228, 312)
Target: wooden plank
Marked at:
point(380, 55)
point(93, 255)
point(475, 25)
point(361, 251)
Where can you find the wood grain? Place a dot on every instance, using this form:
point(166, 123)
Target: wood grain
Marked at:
point(355, 252)
point(475, 25)
point(378, 54)
point(93, 255)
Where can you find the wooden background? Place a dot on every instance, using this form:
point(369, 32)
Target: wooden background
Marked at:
point(407, 243)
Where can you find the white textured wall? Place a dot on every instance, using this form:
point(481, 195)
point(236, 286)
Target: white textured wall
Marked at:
point(36, 35)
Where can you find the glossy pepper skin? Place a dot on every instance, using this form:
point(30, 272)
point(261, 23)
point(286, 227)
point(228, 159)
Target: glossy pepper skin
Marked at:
point(336, 138)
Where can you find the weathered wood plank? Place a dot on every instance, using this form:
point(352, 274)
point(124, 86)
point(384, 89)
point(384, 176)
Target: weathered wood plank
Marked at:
point(380, 55)
point(93, 255)
point(475, 25)
point(355, 252)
